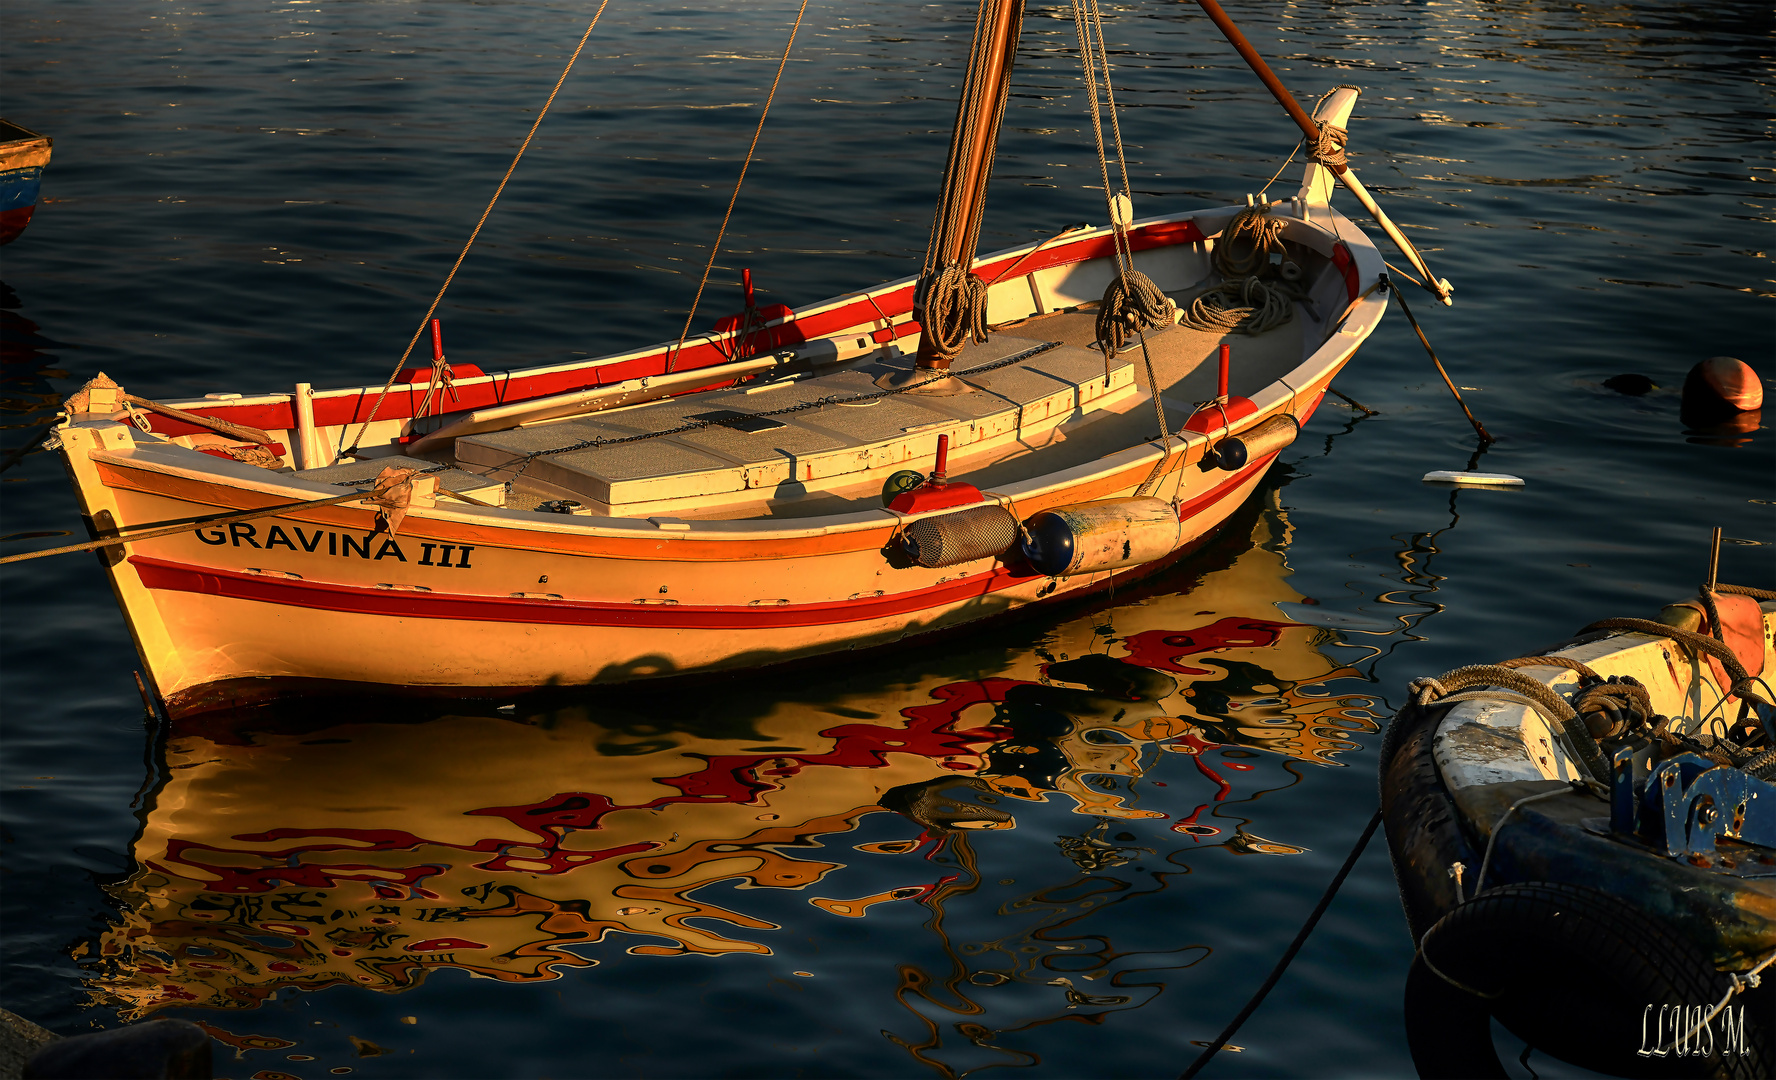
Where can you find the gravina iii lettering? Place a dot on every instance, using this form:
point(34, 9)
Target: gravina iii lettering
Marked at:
point(339, 545)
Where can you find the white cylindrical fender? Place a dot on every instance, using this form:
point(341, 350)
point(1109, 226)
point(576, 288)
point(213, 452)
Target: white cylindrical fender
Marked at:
point(1103, 535)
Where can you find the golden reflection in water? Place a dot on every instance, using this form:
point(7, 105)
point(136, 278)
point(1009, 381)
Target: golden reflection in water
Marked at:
point(369, 853)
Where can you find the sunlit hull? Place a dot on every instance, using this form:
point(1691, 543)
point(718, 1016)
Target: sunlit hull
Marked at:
point(492, 599)
point(303, 851)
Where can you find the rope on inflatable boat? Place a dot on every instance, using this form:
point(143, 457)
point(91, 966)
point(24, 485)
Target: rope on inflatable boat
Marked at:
point(1742, 682)
point(1492, 840)
point(1566, 721)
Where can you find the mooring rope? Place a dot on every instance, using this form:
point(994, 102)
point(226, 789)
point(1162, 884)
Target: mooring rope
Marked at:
point(715, 249)
point(1276, 973)
point(464, 254)
point(1486, 438)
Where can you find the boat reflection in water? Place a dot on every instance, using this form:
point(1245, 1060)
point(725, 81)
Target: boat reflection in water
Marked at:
point(369, 853)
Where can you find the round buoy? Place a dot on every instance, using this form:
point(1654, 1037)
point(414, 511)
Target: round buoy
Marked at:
point(1720, 386)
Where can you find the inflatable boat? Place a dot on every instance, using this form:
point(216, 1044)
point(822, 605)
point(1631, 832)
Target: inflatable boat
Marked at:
point(1585, 843)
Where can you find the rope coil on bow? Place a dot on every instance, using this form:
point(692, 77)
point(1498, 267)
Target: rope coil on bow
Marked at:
point(1245, 302)
point(1328, 146)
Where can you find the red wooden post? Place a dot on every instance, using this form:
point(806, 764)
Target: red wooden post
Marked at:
point(1226, 355)
point(941, 469)
point(437, 340)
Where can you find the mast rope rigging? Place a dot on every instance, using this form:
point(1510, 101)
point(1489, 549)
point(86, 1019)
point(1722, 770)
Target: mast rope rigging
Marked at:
point(376, 407)
point(715, 249)
point(950, 300)
point(1132, 303)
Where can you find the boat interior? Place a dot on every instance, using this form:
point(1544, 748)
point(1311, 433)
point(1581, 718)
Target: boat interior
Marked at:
point(1037, 397)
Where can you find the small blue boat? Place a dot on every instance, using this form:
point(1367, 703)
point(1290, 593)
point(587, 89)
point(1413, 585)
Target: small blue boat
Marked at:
point(23, 156)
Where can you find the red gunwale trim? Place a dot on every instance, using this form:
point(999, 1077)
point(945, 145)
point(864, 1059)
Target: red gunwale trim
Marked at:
point(511, 386)
point(1347, 265)
point(356, 599)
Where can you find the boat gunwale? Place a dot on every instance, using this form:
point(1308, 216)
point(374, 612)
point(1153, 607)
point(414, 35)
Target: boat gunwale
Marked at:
point(1284, 393)
point(274, 410)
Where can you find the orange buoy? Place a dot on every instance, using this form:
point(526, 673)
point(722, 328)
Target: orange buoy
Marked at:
point(1720, 386)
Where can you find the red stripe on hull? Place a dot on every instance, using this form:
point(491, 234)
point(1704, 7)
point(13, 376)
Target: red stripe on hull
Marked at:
point(13, 222)
point(285, 592)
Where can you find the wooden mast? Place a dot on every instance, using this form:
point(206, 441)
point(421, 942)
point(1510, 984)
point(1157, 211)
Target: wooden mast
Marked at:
point(951, 307)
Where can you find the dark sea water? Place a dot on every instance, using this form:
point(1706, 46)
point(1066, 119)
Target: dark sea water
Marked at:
point(248, 195)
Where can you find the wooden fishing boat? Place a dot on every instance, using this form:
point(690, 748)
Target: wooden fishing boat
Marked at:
point(720, 502)
point(1585, 842)
point(503, 844)
point(23, 156)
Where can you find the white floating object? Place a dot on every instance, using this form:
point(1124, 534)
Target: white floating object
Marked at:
point(1484, 479)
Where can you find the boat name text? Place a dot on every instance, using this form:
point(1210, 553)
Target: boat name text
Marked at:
point(339, 545)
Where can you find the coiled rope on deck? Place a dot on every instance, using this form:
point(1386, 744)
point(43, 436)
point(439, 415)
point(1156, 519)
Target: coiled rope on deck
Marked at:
point(1131, 303)
point(1245, 302)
